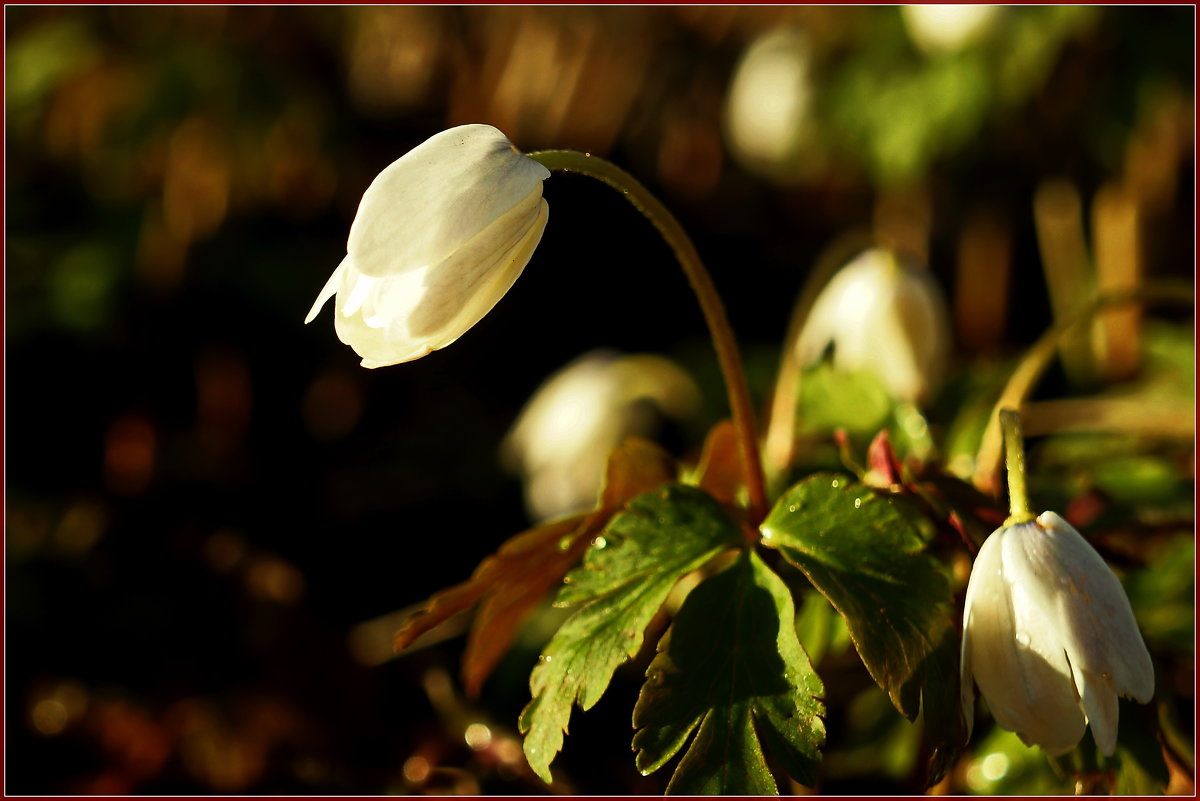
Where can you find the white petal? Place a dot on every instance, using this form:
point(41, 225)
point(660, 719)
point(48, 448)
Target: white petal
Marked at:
point(985, 587)
point(438, 196)
point(1099, 699)
point(882, 317)
point(466, 279)
point(1026, 686)
point(330, 289)
point(426, 310)
point(368, 336)
point(1053, 719)
point(1105, 639)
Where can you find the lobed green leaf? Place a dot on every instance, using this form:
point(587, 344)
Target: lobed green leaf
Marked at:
point(866, 555)
point(625, 577)
point(732, 670)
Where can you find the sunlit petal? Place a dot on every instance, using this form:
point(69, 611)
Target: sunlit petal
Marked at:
point(440, 237)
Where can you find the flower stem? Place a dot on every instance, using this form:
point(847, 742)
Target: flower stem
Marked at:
point(1014, 458)
point(1037, 359)
point(710, 303)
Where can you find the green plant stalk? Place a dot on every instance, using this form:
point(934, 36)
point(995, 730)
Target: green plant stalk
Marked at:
point(779, 436)
point(710, 304)
point(1014, 459)
point(1037, 359)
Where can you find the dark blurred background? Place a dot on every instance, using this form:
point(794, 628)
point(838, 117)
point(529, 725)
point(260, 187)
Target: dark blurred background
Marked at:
point(214, 514)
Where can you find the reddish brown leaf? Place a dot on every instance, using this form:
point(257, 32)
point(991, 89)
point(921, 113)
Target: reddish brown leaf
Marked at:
point(635, 467)
point(509, 584)
point(524, 548)
point(720, 468)
point(514, 593)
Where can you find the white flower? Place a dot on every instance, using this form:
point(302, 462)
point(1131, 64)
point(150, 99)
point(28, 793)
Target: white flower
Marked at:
point(947, 28)
point(440, 235)
point(768, 112)
point(562, 438)
point(1049, 637)
point(883, 317)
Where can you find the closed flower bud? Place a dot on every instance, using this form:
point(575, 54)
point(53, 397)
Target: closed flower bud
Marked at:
point(885, 318)
point(1050, 638)
point(440, 236)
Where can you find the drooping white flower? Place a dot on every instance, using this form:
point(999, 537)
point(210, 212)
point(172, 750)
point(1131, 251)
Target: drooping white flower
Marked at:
point(1050, 638)
point(883, 317)
point(562, 438)
point(440, 236)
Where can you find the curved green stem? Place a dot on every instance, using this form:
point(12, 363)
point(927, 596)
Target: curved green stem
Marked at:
point(1037, 359)
point(1014, 458)
point(710, 303)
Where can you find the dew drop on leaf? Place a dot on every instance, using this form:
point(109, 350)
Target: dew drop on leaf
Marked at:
point(858, 503)
point(835, 483)
point(564, 544)
point(791, 507)
point(599, 543)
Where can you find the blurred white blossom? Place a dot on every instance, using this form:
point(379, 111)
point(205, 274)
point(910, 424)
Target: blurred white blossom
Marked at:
point(440, 236)
point(884, 317)
point(1050, 638)
point(562, 438)
point(768, 109)
point(947, 28)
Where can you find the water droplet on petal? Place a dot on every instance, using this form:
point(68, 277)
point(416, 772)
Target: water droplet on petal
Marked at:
point(1022, 639)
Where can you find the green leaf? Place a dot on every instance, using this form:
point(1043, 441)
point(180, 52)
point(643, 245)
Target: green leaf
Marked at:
point(1003, 765)
point(626, 575)
point(867, 557)
point(941, 709)
point(1141, 769)
point(818, 625)
point(832, 399)
point(732, 670)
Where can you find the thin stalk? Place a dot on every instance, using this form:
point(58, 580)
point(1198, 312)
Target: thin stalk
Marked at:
point(710, 304)
point(1037, 359)
point(1014, 459)
point(779, 438)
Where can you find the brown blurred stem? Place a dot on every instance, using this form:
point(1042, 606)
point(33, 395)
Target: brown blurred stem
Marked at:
point(1037, 358)
point(710, 304)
